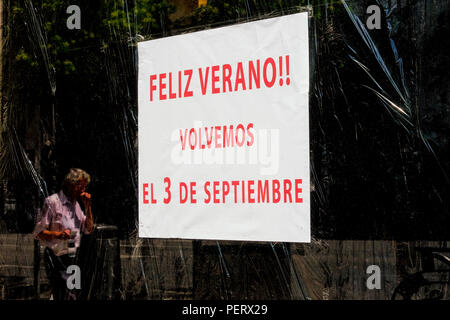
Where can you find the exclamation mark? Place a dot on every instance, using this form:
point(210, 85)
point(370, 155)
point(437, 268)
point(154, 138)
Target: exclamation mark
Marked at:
point(280, 59)
point(288, 80)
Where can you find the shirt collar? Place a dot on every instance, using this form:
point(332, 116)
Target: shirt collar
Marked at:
point(64, 198)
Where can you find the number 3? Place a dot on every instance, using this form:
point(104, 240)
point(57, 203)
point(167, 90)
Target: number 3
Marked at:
point(167, 180)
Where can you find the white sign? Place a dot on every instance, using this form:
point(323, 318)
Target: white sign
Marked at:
point(224, 133)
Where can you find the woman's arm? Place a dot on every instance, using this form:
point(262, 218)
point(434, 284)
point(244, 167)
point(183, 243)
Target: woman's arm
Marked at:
point(89, 222)
point(51, 235)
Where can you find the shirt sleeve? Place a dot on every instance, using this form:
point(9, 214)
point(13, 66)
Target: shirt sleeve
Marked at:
point(44, 218)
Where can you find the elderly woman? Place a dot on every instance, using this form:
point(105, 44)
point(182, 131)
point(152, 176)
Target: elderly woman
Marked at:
point(59, 228)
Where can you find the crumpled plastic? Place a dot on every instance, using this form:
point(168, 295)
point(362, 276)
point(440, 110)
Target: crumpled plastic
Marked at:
point(379, 119)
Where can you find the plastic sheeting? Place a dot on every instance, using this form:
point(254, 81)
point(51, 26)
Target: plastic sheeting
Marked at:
point(379, 128)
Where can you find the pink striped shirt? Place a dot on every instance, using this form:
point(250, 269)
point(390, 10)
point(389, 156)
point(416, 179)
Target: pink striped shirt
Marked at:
point(58, 214)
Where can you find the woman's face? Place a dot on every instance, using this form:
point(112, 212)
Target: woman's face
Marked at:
point(79, 188)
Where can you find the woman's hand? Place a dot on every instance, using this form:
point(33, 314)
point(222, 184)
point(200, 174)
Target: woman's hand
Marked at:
point(86, 199)
point(64, 235)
